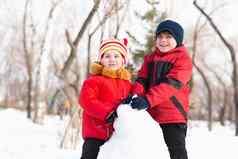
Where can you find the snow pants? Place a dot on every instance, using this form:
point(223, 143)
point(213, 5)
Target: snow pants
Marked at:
point(91, 147)
point(174, 136)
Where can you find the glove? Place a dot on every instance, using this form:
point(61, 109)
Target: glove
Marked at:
point(111, 117)
point(127, 100)
point(139, 103)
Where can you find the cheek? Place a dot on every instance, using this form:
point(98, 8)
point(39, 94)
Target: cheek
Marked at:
point(103, 61)
point(121, 62)
point(174, 44)
point(157, 42)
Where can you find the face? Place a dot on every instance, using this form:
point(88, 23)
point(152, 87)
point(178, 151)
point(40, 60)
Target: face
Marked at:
point(165, 42)
point(112, 59)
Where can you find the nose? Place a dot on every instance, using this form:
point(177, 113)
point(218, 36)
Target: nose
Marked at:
point(162, 38)
point(112, 58)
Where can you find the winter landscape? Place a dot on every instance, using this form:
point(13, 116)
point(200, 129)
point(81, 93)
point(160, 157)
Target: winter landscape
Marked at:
point(47, 47)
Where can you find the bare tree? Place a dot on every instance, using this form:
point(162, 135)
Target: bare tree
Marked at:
point(28, 60)
point(30, 54)
point(209, 90)
point(233, 57)
point(40, 107)
point(201, 72)
point(225, 95)
point(119, 21)
point(199, 26)
point(111, 10)
point(12, 62)
point(74, 44)
point(72, 89)
point(5, 78)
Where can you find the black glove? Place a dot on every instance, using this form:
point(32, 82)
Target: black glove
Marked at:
point(127, 100)
point(139, 103)
point(111, 117)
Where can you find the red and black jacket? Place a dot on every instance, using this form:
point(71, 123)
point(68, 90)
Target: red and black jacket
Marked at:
point(163, 79)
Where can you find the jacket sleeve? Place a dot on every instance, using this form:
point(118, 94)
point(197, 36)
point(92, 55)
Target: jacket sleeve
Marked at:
point(90, 102)
point(141, 82)
point(175, 80)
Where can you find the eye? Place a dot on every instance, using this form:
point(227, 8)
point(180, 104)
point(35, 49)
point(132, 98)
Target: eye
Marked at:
point(107, 56)
point(159, 36)
point(117, 56)
point(169, 36)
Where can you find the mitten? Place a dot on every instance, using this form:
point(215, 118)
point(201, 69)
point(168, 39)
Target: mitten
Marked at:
point(139, 103)
point(127, 100)
point(111, 117)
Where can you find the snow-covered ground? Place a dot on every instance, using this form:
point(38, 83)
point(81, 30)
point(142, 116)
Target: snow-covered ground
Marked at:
point(22, 139)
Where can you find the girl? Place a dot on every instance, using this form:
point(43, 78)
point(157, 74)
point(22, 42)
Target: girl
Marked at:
point(101, 94)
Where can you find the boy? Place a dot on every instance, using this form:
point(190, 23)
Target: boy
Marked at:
point(162, 86)
point(101, 94)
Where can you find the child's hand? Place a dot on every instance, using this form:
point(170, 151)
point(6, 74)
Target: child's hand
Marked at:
point(139, 103)
point(111, 117)
point(127, 100)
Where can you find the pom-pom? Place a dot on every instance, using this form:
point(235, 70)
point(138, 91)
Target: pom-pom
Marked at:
point(125, 41)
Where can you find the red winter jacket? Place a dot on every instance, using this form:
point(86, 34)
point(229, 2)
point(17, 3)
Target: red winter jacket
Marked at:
point(163, 79)
point(99, 96)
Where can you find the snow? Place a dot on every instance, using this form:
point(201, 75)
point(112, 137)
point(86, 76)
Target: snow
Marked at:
point(22, 139)
point(128, 142)
point(137, 136)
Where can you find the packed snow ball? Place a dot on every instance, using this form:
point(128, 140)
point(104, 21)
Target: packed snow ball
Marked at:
point(136, 135)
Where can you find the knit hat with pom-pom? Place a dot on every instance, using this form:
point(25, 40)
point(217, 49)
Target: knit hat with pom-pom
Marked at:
point(119, 46)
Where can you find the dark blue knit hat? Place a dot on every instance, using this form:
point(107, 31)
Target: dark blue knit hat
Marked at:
point(173, 28)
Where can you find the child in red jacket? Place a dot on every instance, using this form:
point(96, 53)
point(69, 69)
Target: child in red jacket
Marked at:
point(107, 86)
point(162, 86)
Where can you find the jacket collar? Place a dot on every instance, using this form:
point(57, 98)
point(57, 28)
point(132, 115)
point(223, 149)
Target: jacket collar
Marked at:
point(98, 69)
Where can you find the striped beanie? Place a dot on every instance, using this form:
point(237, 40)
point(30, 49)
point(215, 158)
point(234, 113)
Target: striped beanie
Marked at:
point(116, 45)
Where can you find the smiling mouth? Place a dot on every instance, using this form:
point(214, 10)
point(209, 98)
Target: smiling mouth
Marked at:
point(163, 45)
point(111, 64)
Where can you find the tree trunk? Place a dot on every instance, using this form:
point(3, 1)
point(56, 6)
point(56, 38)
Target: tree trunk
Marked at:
point(209, 91)
point(28, 61)
point(29, 97)
point(209, 98)
point(89, 54)
point(225, 94)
